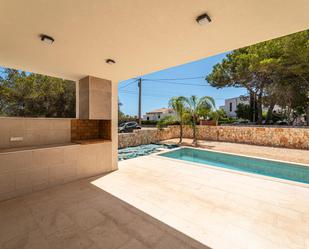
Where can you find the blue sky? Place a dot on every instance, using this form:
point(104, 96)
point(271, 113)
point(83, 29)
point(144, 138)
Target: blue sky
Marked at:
point(156, 94)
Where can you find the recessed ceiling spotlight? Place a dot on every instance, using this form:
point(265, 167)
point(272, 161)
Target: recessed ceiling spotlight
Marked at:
point(47, 39)
point(203, 19)
point(110, 61)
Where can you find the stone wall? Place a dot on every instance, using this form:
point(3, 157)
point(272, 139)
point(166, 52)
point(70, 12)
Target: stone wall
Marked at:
point(148, 136)
point(288, 137)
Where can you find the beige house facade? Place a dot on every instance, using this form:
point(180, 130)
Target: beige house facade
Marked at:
point(158, 114)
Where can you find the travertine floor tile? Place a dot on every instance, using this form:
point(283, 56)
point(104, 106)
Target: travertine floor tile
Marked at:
point(109, 235)
point(215, 207)
point(70, 238)
point(87, 218)
point(28, 240)
point(145, 231)
point(134, 244)
point(151, 202)
point(53, 222)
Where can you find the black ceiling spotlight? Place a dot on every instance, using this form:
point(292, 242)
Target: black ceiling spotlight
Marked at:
point(47, 39)
point(203, 19)
point(110, 61)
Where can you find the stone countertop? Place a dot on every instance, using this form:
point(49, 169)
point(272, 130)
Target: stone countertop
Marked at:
point(34, 147)
point(91, 141)
point(48, 146)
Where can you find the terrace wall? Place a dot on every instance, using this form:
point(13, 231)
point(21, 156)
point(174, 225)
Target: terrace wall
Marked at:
point(288, 137)
point(34, 131)
point(45, 156)
point(139, 137)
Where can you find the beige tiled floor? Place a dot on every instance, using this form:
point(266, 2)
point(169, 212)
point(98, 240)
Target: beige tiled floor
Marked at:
point(80, 215)
point(219, 209)
point(153, 202)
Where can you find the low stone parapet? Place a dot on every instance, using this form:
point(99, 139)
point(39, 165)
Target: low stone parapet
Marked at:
point(288, 137)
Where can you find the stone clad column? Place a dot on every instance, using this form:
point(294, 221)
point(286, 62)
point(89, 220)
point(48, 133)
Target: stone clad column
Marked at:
point(95, 98)
point(98, 100)
point(114, 113)
point(77, 99)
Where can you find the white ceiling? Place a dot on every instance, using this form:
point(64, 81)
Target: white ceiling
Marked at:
point(142, 36)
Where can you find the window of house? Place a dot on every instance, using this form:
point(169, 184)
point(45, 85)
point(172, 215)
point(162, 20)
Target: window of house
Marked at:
point(231, 106)
point(147, 118)
point(159, 117)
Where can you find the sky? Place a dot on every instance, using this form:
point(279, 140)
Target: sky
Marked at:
point(156, 93)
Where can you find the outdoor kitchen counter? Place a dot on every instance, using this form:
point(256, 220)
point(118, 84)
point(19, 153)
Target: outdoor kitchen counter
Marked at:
point(91, 141)
point(28, 169)
point(48, 146)
point(34, 147)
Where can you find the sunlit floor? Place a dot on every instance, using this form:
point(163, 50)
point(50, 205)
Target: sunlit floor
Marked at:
point(154, 202)
point(81, 216)
point(217, 208)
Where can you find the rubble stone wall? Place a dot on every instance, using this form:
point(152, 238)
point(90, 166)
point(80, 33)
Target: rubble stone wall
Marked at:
point(288, 137)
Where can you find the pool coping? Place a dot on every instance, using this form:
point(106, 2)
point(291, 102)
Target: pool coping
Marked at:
point(269, 178)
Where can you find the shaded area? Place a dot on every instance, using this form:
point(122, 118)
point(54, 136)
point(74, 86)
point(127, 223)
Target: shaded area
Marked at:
point(80, 215)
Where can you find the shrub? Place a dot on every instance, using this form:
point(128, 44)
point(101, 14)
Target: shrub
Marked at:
point(168, 120)
point(149, 122)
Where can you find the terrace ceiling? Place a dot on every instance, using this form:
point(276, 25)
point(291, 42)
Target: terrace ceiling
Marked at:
point(142, 36)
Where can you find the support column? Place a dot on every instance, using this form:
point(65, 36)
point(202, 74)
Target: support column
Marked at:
point(307, 116)
point(98, 102)
point(114, 112)
point(77, 99)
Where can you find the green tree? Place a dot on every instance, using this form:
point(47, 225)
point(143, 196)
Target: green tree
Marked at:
point(167, 120)
point(243, 111)
point(217, 115)
point(294, 72)
point(196, 107)
point(178, 105)
point(268, 69)
point(34, 95)
point(247, 67)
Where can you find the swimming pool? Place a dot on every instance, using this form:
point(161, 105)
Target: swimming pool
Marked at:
point(287, 171)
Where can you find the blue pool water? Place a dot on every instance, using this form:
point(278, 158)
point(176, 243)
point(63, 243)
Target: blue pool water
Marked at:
point(281, 170)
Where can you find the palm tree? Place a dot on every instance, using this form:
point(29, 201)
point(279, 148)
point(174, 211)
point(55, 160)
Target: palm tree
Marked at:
point(195, 106)
point(216, 115)
point(178, 105)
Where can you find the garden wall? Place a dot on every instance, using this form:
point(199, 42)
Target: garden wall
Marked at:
point(147, 136)
point(289, 137)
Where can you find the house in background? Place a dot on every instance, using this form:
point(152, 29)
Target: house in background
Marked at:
point(231, 104)
point(158, 114)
